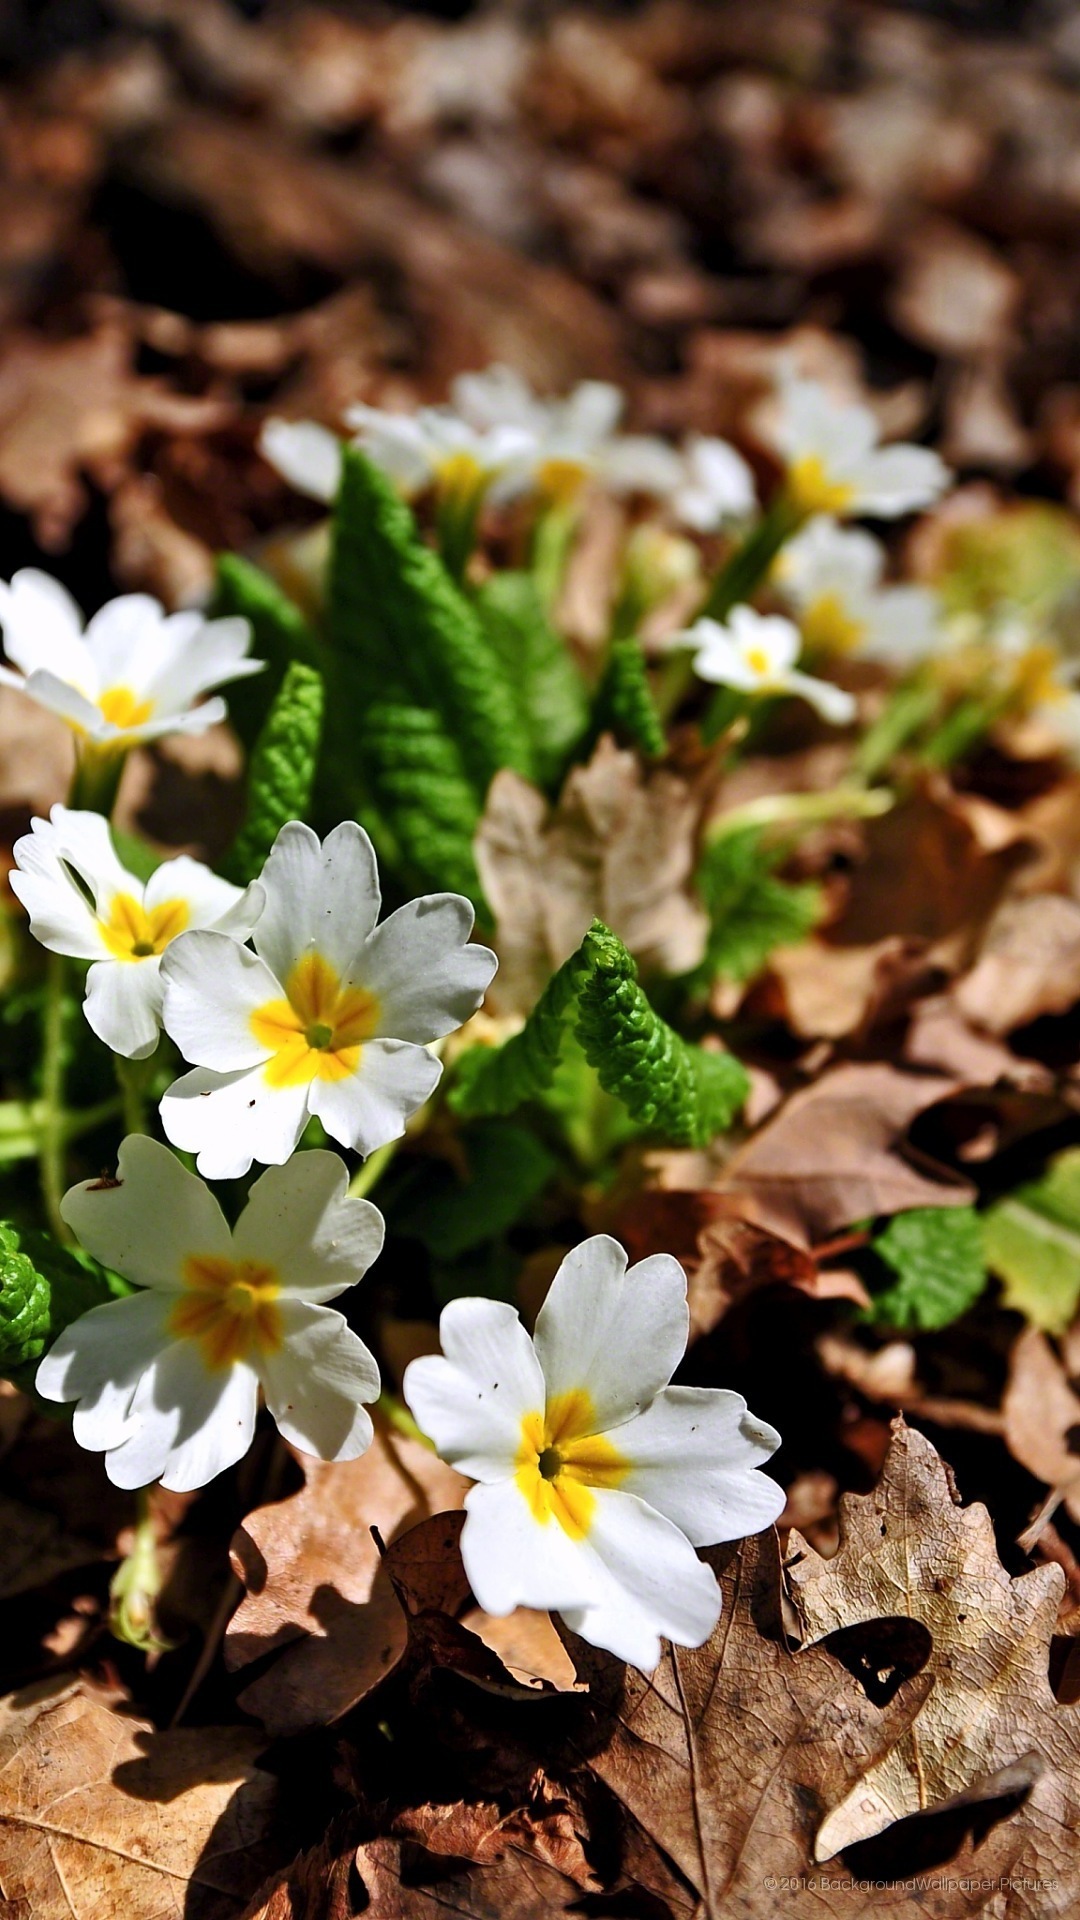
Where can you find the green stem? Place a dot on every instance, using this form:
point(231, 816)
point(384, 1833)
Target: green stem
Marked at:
point(397, 1415)
point(372, 1170)
point(745, 569)
point(552, 539)
point(51, 1157)
point(129, 1078)
point(456, 518)
point(906, 712)
point(96, 779)
point(136, 1584)
point(804, 809)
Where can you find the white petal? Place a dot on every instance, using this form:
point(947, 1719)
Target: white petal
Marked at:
point(426, 978)
point(186, 1424)
point(826, 558)
point(231, 1119)
point(43, 628)
point(514, 1561)
point(895, 480)
point(472, 1401)
point(618, 1335)
point(833, 703)
point(123, 1005)
point(316, 1381)
point(655, 1584)
point(65, 700)
point(396, 443)
point(300, 1218)
point(640, 463)
point(99, 1359)
point(694, 1456)
point(209, 899)
point(370, 1108)
point(47, 858)
point(322, 897)
point(903, 627)
point(770, 635)
point(146, 1227)
point(121, 637)
point(591, 413)
point(212, 653)
point(212, 988)
point(306, 455)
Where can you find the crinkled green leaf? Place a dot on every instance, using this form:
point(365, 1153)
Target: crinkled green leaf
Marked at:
point(686, 1094)
point(400, 628)
point(545, 680)
point(280, 635)
point(750, 911)
point(1032, 1240)
point(939, 1263)
point(43, 1288)
point(419, 788)
point(624, 703)
point(281, 771)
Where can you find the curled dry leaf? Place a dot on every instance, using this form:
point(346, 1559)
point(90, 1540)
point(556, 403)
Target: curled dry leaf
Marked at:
point(100, 1816)
point(1029, 964)
point(910, 1551)
point(832, 1154)
point(1041, 1412)
point(725, 1758)
point(620, 845)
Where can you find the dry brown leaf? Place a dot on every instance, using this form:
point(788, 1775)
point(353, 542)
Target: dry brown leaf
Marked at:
point(71, 407)
point(1042, 1416)
point(101, 1817)
point(315, 1587)
point(830, 1155)
point(620, 845)
point(726, 1757)
point(403, 1880)
point(939, 1037)
point(909, 1550)
point(1029, 964)
point(833, 992)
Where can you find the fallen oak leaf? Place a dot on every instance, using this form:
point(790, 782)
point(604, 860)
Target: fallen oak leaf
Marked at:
point(100, 1815)
point(910, 1549)
point(1029, 964)
point(831, 1154)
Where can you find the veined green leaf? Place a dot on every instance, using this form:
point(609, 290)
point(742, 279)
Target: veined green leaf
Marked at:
point(624, 704)
point(750, 911)
point(280, 635)
point(417, 783)
point(43, 1288)
point(281, 771)
point(545, 680)
point(939, 1263)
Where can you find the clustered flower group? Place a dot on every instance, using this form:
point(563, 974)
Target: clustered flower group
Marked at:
point(292, 1003)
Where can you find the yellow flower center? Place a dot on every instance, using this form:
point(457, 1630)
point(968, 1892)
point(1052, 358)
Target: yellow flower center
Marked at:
point(1038, 682)
point(813, 489)
point(560, 1459)
point(123, 708)
point(459, 476)
point(133, 933)
point(229, 1307)
point(317, 1032)
point(559, 481)
point(828, 627)
point(758, 662)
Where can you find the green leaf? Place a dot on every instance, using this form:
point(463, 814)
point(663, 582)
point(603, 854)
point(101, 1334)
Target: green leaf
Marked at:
point(400, 628)
point(545, 680)
point(1032, 1240)
point(507, 1169)
point(134, 853)
point(43, 1288)
point(750, 911)
point(280, 635)
point(418, 786)
point(937, 1257)
point(684, 1093)
point(281, 771)
point(624, 703)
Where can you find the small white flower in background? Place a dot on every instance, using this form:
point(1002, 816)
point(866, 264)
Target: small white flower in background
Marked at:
point(330, 1015)
point(575, 438)
point(305, 454)
point(82, 901)
point(756, 653)
point(715, 485)
point(167, 1381)
point(432, 447)
point(835, 465)
point(832, 577)
point(134, 674)
point(597, 1480)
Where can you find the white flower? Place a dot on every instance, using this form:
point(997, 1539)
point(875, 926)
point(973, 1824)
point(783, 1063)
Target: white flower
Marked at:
point(756, 653)
point(329, 1015)
point(832, 577)
point(82, 901)
point(834, 463)
point(597, 1478)
point(433, 447)
point(715, 484)
point(134, 674)
point(167, 1381)
point(575, 438)
point(305, 454)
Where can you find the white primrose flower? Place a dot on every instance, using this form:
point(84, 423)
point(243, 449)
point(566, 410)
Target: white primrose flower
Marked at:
point(82, 901)
point(756, 653)
point(834, 463)
point(133, 674)
point(168, 1379)
point(597, 1480)
point(330, 1015)
point(715, 485)
point(432, 447)
point(832, 577)
point(575, 438)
